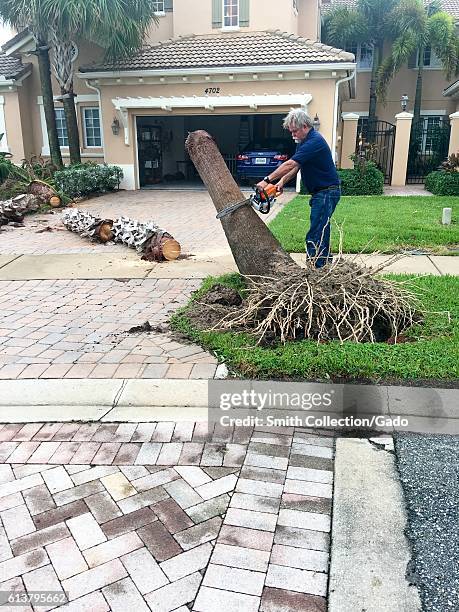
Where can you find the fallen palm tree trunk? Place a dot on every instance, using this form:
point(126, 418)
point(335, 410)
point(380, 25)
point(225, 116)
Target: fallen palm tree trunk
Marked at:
point(87, 225)
point(148, 239)
point(13, 211)
point(341, 301)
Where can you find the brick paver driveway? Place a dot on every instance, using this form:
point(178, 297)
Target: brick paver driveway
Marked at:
point(78, 329)
point(166, 516)
point(188, 215)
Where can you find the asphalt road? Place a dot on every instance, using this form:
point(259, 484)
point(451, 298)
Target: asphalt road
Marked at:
point(429, 471)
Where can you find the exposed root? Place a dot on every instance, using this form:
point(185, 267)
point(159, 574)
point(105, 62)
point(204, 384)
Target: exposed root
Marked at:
point(343, 301)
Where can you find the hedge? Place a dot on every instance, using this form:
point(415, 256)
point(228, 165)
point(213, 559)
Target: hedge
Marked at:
point(443, 183)
point(366, 181)
point(84, 179)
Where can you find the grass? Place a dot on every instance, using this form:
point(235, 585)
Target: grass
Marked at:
point(432, 356)
point(388, 224)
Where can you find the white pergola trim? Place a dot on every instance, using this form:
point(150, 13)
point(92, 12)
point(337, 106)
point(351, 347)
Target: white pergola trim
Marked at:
point(209, 103)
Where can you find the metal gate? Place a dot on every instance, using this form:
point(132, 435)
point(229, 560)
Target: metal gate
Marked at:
point(429, 144)
point(379, 138)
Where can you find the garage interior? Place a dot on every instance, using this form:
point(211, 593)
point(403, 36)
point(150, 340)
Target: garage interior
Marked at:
point(162, 159)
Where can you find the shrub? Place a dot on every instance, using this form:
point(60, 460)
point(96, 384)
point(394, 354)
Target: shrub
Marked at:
point(443, 183)
point(369, 181)
point(84, 179)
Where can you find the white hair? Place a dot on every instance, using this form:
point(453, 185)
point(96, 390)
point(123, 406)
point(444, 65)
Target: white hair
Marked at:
point(297, 119)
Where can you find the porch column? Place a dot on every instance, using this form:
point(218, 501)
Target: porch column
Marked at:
point(401, 147)
point(454, 137)
point(349, 139)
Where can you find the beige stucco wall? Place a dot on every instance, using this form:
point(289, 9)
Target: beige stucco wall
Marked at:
point(27, 127)
point(403, 83)
point(196, 17)
point(192, 17)
point(163, 30)
point(272, 14)
point(13, 125)
point(309, 19)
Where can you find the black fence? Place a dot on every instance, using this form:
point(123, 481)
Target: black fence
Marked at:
point(429, 144)
point(379, 137)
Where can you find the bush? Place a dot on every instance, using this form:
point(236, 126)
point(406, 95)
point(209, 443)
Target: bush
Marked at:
point(365, 179)
point(368, 181)
point(11, 188)
point(84, 179)
point(443, 183)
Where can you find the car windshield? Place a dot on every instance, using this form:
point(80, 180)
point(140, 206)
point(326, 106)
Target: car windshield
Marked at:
point(269, 144)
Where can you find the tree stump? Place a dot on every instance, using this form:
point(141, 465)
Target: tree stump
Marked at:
point(255, 249)
point(41, 190)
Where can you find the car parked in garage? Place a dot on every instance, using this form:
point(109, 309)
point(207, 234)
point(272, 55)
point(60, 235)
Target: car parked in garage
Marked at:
point(261, 157)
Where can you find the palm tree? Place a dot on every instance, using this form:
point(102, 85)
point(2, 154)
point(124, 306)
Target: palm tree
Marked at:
point(416, 27)
point(368, 22)
point(21, 14)
point(116, 25)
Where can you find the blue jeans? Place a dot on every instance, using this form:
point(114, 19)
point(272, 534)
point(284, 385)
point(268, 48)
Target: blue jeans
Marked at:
point(322, 206)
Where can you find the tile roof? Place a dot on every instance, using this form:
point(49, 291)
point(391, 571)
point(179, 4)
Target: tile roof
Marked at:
point(228, 50)
point(12, 67)
point(15, 39)
point(449, 6)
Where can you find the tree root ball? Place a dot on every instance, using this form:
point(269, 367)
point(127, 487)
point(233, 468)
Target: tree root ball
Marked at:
point(344, 302)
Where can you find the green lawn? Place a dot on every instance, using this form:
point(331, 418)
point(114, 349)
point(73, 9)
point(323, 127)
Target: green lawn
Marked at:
point(433, 355)
point(376, 223)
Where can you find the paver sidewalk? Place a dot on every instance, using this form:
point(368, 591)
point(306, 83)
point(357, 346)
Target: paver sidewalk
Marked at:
point(166, 516)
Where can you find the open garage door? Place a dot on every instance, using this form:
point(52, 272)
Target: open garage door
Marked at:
point(251, 144)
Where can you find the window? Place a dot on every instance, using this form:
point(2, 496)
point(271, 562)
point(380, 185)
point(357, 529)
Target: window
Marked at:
point(61, 125)
point(158, 6)
point(430, 59)
point(430, 133)
point(363, 55)
point(230, 13)
point(91, 124)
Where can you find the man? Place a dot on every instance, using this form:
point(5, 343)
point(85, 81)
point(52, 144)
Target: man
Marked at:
point(313, 157)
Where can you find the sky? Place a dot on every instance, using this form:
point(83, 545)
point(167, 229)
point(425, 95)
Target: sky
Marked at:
point(5, 33)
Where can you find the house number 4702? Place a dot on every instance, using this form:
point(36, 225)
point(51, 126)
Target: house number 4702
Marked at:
point(212, 90)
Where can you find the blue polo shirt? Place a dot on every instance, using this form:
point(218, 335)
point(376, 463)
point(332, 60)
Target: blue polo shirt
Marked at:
point(315, 159)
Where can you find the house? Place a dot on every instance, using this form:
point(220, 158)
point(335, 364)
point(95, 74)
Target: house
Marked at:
point(434, 104)
point(232, 67)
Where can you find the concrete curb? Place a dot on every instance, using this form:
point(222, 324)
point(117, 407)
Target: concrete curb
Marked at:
point(426, 409)
point(369, 553)
point(23, 401)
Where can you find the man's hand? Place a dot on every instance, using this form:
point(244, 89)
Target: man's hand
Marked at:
point(280, 186)
point(262, 185)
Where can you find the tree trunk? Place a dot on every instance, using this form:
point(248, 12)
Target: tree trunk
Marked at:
point(48, 104)
point(255, 250)
point(373, 96)
point(68, 99)
point(87, 225)
point(418, 96)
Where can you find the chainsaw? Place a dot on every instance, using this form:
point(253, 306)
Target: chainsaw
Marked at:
point(260, 200)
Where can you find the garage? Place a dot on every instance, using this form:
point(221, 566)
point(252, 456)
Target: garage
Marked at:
point(251, 144)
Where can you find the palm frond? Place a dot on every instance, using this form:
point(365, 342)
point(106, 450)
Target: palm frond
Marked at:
point(343, 26)
point(401, 50)
point(443, 40)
